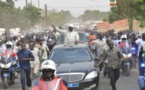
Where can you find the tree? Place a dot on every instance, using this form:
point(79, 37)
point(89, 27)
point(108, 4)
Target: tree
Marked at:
point(12, 17)
point(129, 9)
point(93, 15)
point(10, 3)
point(59, 18)
point(32, 14)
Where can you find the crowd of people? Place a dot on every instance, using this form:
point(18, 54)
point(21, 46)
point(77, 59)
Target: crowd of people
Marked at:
point(32, 51)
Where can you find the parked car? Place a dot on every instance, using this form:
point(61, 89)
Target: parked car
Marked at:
point(75, 64)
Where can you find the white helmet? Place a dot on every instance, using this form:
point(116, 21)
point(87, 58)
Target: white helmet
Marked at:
point(124, 36)
point(9, 43)
point(48, 64)
point(71, 25)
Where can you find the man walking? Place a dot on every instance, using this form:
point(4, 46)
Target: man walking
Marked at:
point(113, 55)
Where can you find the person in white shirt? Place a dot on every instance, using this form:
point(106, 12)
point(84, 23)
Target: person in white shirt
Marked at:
point(57, 34)
point(71, 37)
point(34, 64)
point(105, 47)
point(140, 42)
point(45, 49)
point(98, 47)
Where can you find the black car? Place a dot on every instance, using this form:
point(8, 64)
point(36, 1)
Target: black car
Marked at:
point(82, 38)
point(75, 64)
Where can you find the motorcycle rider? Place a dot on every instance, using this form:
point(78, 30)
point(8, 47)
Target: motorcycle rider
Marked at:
point(13, 53)
point(49, 81)
point(124, 43)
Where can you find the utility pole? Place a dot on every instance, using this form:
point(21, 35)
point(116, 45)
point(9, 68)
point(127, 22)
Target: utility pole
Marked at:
point(38, 3)
point(31, 2)
point(46, 15)
point(26, 2)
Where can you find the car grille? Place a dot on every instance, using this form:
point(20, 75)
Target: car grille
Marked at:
point(72, 77)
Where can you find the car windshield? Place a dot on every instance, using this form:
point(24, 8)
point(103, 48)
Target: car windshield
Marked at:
point(70, 55)
point(82, 38)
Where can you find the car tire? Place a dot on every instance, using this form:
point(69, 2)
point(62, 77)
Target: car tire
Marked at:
point(97, 84)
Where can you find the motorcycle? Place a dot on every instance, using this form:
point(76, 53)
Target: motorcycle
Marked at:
point(8, 69)
point(126, 63)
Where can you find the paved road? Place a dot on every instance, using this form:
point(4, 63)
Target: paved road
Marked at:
point(124, 83)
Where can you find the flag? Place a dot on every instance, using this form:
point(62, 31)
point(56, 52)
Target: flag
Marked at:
point(112, 3)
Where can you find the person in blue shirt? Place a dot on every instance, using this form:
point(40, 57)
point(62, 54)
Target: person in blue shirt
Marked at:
point(24, 57)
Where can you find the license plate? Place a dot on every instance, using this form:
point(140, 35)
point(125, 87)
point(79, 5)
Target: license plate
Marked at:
point(71, 85)
point(6, 75)
point(50, 39)
point(127, 63)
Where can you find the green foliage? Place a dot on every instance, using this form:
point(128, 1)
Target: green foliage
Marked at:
point(28, 16)
point(129, 9)
point(59, 18)
point(93, 15)
point(10, 3)
point(12, 17)
point(32, 14)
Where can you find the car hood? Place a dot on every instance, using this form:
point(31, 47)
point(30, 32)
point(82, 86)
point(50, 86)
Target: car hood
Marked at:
point(75, 67)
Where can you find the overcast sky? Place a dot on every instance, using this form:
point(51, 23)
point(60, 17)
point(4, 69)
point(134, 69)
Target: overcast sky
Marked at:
point(76, 7)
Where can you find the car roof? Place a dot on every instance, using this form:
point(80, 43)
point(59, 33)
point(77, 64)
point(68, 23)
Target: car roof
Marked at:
point(62, 46)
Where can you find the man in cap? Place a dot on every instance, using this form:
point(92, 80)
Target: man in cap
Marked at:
point(71, 37)
point(114, 56)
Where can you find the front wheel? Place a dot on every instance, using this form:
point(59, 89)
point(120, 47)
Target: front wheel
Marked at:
point(6, 83)
point(127, 71)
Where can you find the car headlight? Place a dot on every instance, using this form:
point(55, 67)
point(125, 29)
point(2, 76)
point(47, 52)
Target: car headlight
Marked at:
point(142, 65)
point(129, 55)
point(92, 74)
point(2, 65)
point(5, 65)
point(124, 55)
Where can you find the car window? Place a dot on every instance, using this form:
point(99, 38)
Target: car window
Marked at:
point(82, 37)
point(70, 55)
